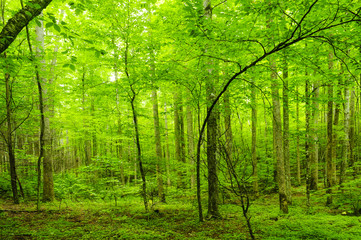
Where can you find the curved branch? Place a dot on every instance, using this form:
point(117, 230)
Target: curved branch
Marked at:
point(19, 21)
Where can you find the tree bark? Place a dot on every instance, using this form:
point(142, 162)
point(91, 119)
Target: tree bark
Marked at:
point(158, 147)
point(254, 141)
point(329, 157)
point(139, 152)
point(87, 142)
point(298, 154)
point(19, 21)
point(346, 140)
point(212, 132)
point(178, 118)
point(190, 138)
point(278, 142)
point(167, 152)
point(48, 184)
point(9, 140)
point(228, 133)
point(314, 139)
point(286, 130)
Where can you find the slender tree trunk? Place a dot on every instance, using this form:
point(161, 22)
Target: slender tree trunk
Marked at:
point(346, 140)
point(212, 130)
point(190, 136)
point(9, 140)
point(269, 173)
point(254, 141)
point(119, 123)
point(94, 130)
point(314, 140)
point(167, 145)
point(278, 142)
point(87, 143)
point(228, 134)
point(329, 157)
point(286, 130)
point(352, 128)
point(136, 129)
point(178, 135)
point(298, 154)
point(48, 184)
point(335, 137)
point(158, 146)
point(139, 153)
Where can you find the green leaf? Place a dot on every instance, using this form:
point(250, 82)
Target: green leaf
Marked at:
point(97, 54)
point(57, 28)
point(88, 41)
point(37, 6)
point(38, 22)
point(72, 67)
point(28, 13)
point(49, 25)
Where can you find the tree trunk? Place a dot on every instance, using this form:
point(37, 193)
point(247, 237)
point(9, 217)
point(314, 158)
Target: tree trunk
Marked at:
point(335, 137)
point(139, 153)
point(278, 142)
point(167, 145)
point(286, 130)
point(254, 141)
point(212, 132)
point(178, 136)
point(48, 184)
point(352, 129)
point(298, 162)
point(346, 140)
point(87, 143)
point(314, 139)
point(190, 136)
point(158, 147)
point(228, 132)
point(9, 140)
point(329, 158)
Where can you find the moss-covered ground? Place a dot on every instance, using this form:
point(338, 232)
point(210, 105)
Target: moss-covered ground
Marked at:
point(177, 219)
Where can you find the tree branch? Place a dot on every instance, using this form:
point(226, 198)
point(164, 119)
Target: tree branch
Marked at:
point(21, 19)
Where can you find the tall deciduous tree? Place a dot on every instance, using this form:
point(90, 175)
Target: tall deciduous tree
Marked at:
point(329, 157)
point(212, 130)
point(48, 184)
point(158, 146)
point(254, 141)
point(278, 141)
point(286, 130)
point(313, 155)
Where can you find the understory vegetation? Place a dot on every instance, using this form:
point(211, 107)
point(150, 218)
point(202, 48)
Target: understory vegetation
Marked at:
point(86, 209)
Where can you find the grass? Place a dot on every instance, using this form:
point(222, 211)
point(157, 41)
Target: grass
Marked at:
point(177, 219)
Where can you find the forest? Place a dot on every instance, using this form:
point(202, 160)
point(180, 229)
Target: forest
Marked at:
point(180, 119)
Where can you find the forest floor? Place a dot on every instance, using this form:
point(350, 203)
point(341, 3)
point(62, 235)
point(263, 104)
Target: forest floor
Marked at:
point(177, 219)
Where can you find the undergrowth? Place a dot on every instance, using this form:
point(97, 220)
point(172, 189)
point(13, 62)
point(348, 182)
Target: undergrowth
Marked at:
point(176, 219)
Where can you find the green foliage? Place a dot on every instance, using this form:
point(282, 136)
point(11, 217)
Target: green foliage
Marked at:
point(69, 186)
point(5, 186)
point(349, 198)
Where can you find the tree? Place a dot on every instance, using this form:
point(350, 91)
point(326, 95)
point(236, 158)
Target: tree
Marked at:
point(278, 142)
point(158, 146)
point(212, 133)
point(44, 100)
point(254, 141)
point(286, 130)
point(330, 138)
